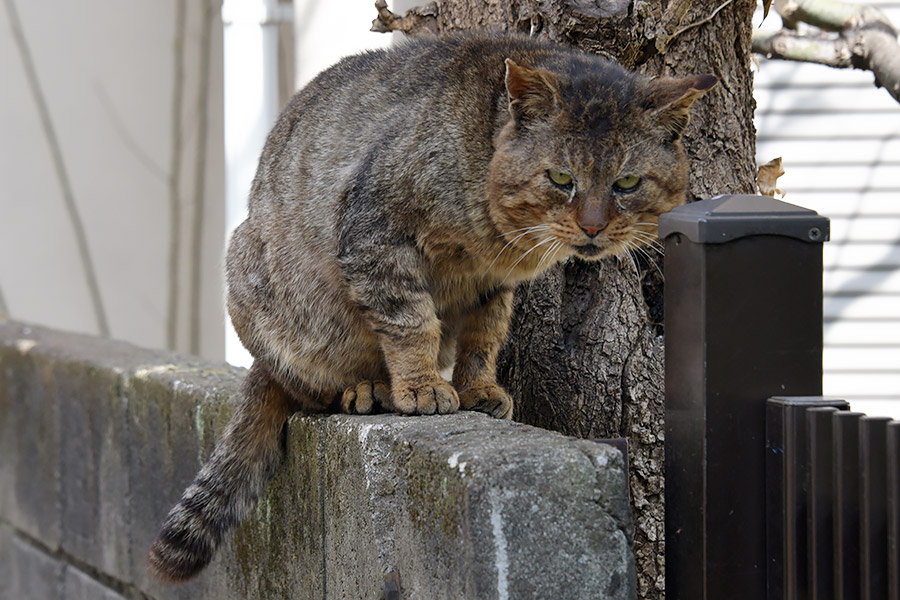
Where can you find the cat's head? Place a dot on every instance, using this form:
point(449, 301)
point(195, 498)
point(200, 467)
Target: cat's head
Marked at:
point(589, 159)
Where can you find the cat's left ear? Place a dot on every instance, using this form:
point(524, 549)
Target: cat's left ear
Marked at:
point(670, 99)
point(533, 93)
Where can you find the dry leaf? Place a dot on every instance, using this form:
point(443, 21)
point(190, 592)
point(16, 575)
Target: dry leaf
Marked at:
point(767, 178)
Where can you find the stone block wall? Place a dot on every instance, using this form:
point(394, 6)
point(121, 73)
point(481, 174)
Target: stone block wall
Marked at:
point(99, 438)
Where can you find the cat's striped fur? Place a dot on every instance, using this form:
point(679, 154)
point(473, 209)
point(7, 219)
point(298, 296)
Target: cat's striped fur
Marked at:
point(399, 199)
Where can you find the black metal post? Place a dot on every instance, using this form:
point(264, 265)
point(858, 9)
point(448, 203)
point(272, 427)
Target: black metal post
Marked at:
point(743, 315)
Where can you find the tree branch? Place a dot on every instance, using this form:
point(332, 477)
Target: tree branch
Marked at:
point(879, 52)
point(419, 21)
point(703, 21)
point(821, 49)
point(833, 15)
point(671, 19)
point(863, 39)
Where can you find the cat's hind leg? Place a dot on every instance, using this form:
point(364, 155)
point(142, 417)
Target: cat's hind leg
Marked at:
point(228, 486)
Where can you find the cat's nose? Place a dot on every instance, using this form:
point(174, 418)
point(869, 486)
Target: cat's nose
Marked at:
point(591, 232)
point(592, 218)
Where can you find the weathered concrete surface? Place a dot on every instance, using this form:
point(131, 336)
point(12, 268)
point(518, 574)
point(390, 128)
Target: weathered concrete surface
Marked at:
point(99, 438)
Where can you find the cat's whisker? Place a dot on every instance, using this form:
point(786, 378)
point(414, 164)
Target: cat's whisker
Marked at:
point(649, 240)
point(633, 255)
point(634, 266)
point(647, 256)
point(546, 255)
point(651, 248)
point(648, 234)
point(559, 245)
point(530, 250)
point(554, 248)
point(650, 243)
point(636, 145)
point(526, 231)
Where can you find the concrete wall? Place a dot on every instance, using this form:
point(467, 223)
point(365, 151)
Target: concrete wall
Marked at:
point(99, 438)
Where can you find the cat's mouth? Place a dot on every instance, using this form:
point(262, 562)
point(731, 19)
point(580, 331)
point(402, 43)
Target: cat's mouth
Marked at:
point(590, 250)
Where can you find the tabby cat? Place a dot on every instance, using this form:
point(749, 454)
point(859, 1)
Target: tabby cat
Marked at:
point(399, 199)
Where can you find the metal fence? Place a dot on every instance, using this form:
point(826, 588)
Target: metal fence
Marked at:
point(833, 494)
point(771, 490)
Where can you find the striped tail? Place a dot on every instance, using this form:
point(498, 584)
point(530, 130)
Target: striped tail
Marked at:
point(227, 488)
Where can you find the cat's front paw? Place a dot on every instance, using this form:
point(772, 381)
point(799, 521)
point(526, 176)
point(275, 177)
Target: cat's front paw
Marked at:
point(435, 396)
point(489, 398)
point(361, 399)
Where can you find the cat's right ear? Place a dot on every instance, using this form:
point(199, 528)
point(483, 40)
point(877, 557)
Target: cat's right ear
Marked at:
point(671, 98)
point(533, 93)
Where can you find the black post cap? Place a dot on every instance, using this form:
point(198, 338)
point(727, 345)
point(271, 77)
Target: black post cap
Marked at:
point(727, 218)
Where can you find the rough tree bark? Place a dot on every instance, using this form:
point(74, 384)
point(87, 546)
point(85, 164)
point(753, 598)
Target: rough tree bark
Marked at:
point(585, 353)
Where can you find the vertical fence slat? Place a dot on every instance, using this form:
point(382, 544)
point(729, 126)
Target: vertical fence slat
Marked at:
point(788, 466)
point(846, 505)
point(873, 507)
point(821, 504)
point(893, 502)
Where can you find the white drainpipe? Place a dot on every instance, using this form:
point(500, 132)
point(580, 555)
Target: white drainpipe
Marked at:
point(251, 107)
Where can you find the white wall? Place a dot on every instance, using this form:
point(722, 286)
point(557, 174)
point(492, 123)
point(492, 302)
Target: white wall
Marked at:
point(107, 73)
point(327, 30)
point(839, 137)
point(106, 70)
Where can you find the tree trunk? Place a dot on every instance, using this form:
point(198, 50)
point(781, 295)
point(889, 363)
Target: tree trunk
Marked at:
point(585, 352)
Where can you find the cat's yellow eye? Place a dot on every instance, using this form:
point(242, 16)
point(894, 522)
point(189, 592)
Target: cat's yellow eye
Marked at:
point(627, 183)
point(559, 178)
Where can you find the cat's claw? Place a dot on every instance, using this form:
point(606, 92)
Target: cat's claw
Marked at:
point(428, 399)
point(489, 398)
point(361, 399)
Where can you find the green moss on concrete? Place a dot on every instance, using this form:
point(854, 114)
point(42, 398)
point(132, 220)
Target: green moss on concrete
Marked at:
point(354, 497)
point(278, 551)
point(436, 500)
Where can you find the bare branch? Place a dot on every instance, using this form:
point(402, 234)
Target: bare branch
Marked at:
point(833, 15)
point(879, 52)
point(703, 21)
point(822, 48)
point(864, 39)
point(671, 19)
point(59, 164)
point(419, 21)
